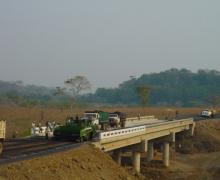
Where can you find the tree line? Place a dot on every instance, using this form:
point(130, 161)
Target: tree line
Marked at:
point(173, 87)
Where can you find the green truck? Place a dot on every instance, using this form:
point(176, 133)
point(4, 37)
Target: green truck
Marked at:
point(98, 118)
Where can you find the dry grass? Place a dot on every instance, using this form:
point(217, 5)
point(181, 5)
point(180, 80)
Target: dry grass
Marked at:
point(19, 118)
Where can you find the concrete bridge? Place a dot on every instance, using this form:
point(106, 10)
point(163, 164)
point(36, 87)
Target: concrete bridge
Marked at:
point(140, 139)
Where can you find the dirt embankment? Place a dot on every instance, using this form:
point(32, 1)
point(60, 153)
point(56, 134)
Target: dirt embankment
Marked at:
point(86, 163)
point(206, 138)
point(202, 158)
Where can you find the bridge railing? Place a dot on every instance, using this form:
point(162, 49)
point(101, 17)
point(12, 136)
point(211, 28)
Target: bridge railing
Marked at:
point(140, 118)
point(142, 128)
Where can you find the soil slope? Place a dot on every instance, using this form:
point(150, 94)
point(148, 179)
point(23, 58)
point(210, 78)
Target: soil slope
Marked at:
point(86, 163)
point(199, 156)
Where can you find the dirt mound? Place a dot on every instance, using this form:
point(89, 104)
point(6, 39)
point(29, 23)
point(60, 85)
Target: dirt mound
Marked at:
point(85, 162)
point(206, 138)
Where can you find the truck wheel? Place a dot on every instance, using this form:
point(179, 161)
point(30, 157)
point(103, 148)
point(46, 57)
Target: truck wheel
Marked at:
point(1, 147)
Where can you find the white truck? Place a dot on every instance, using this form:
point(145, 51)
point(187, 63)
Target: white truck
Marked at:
point(2, 133)
point(208, 113)
point(114, 120)
point(93, 116)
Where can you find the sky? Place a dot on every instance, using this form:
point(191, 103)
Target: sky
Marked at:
point(45, 42)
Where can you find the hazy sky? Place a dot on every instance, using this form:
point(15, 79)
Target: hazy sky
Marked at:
point(47, 41)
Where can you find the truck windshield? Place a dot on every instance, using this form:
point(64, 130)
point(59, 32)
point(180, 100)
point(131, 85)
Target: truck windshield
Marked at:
point(90, 116)
point(113, 115)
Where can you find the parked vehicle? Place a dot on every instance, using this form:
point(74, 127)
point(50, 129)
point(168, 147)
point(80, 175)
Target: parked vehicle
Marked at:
point(2, 134)
point(114, 120)
point(117, 119)
point(75, 129)
point(208, 113)
point(98, 118)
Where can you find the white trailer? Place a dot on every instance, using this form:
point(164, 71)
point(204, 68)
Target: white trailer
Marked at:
point(2, 133)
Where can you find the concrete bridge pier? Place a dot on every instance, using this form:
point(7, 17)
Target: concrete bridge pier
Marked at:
point(166, 153)
point(136, 160)
point(150, 151)
point(117, 156)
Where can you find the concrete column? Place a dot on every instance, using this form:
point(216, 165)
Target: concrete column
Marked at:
point(137, 161)
point(117, 156)
point(144, 145)
point(150, 151)
point(166, 153)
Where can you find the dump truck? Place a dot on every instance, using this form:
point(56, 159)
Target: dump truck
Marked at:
point(75, 129)
point(208, 113)
point(117, 119)
point(2, 134)
point(98, 118)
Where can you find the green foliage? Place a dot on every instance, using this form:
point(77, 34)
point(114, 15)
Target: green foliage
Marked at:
point(143, 93)
point(172, 87)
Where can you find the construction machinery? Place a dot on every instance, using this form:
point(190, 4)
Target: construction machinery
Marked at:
point(98, 118)
point(2, 134)
point(75, 129)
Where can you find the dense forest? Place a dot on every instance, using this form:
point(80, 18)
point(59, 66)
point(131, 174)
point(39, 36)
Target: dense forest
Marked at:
point(172, 87)
point(168, 88)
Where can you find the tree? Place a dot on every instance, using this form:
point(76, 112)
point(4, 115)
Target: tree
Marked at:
point(76, 85)
point(143, 93)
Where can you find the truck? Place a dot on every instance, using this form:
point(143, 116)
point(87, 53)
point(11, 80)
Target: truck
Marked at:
point(117, 119)
point(98, 118)
point(2, 134)
point(75, 129)
point(208, 113)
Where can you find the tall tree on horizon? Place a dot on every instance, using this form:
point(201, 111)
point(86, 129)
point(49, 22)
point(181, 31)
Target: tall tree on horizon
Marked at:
point(143, 92)
point(76, 85)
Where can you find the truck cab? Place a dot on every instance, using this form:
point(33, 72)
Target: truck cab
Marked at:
point(97, 118)
point(94, 117)
point(114, 120)
point(208, 113)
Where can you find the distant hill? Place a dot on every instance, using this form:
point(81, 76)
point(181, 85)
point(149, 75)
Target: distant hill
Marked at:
point(171, 87)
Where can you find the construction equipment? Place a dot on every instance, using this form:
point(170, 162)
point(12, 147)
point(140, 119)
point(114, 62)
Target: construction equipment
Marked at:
point(75, 129)
point(98, 118)
point(2, 134)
